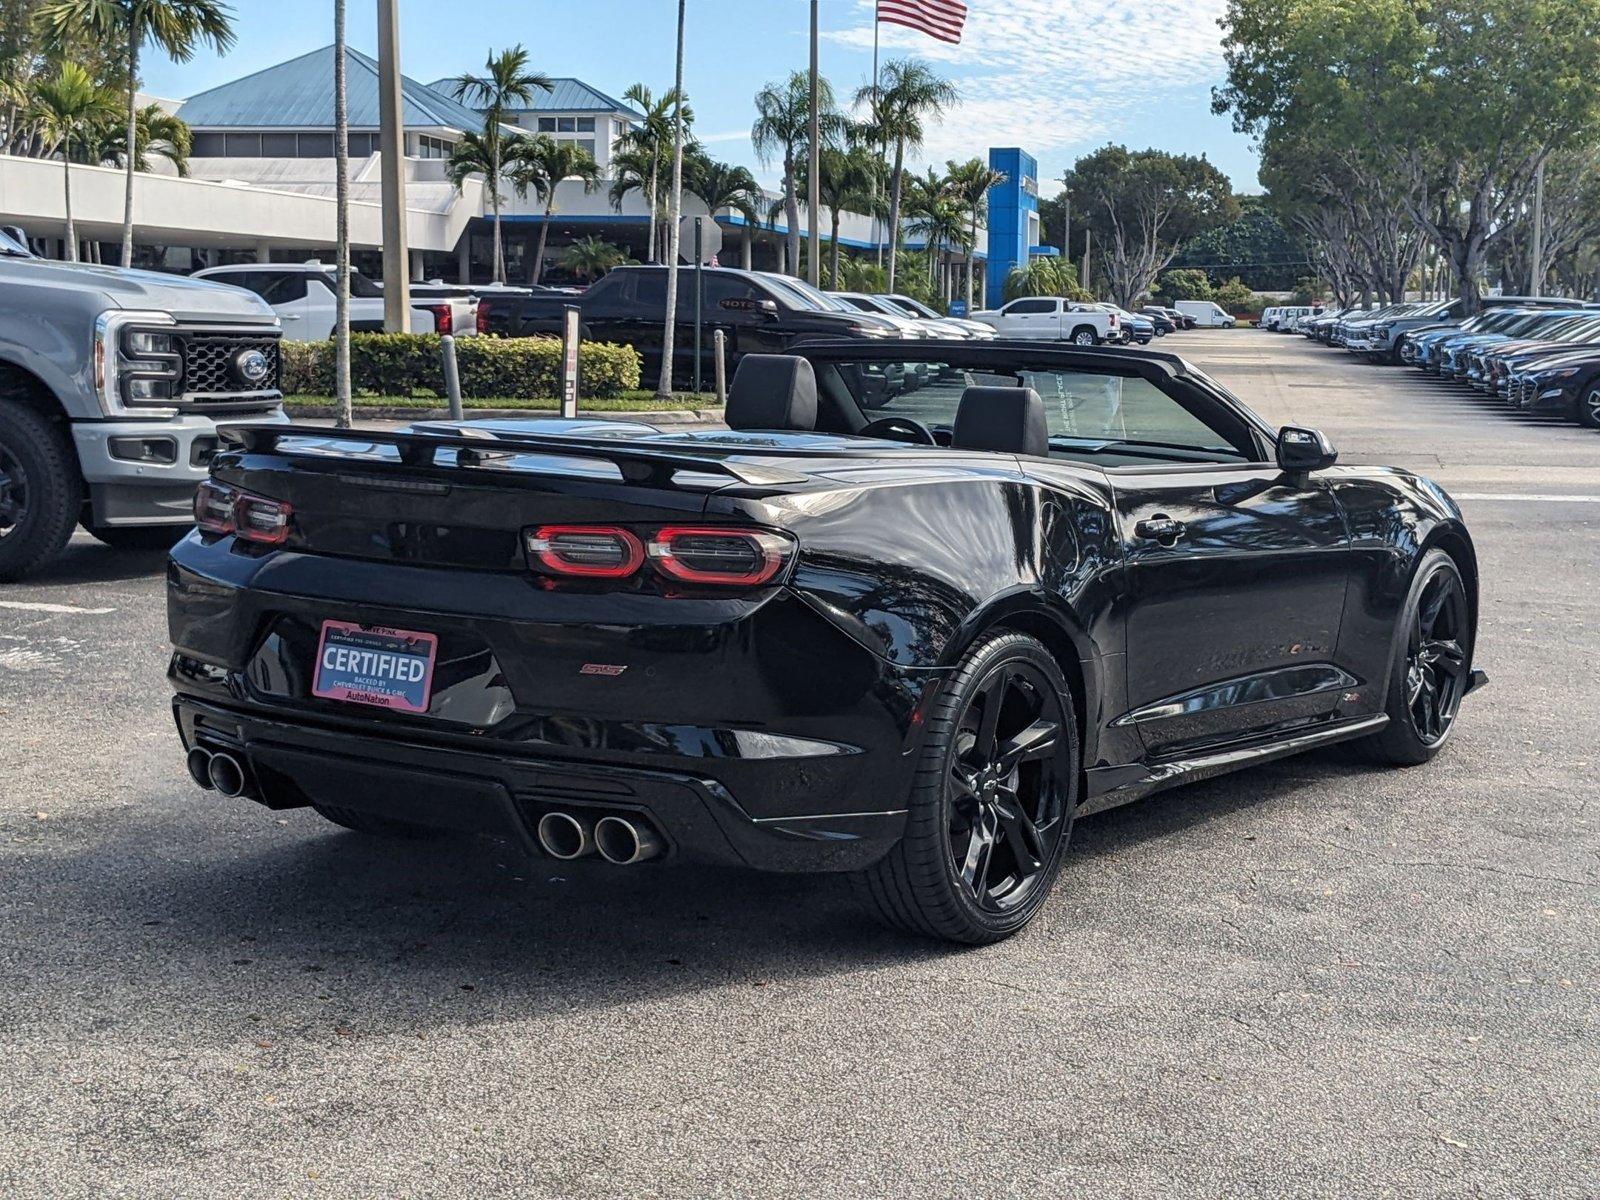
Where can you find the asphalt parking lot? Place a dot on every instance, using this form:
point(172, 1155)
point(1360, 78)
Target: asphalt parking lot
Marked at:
point(1313, 979)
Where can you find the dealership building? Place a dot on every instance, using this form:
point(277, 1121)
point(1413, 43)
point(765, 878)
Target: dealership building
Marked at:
point(261, 185)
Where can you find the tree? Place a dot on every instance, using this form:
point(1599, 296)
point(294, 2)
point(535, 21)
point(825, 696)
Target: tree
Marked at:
point(506, 83)
point(970, 183)
point(674, 208)
point(936, 215)
point(159, 133)
point(1445, 111)
point(908, 95)
point(782, 130)
point(1235, 296)
point(845, 183)
point(541, 164)
point(1257, 247)
point(1142, 205)
point(1185, 284)
point(646, 150)
point(175, 27)
point(68, 108)
point(495, 159)
point(1043, 277)
point(722, 185)
point(589, 258)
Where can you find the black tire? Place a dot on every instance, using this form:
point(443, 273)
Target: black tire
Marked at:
point(142, 539)
point(1587, 411)
point(987, 885)
point(1429, 652)
point(365, 822)
point(1084, 335)
point(41, 492)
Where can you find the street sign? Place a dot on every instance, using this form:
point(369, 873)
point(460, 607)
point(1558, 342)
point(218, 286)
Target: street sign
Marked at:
point(710, 239)
point(958, 308)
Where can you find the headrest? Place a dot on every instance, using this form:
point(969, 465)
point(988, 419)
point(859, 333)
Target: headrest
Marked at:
point(1008, 419)
point(772, 391)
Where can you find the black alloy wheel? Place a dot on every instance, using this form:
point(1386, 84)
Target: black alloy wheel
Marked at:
point(1436, 658)
point(990, 809)
point(1007, 802)
point(1431, 668)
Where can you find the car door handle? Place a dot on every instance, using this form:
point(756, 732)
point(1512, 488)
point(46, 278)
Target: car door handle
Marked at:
point(289, 316)
point(1159, 528)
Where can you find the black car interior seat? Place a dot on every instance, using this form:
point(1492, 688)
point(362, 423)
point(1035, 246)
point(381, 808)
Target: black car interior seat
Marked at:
point(1008, 419)
point(772, 391)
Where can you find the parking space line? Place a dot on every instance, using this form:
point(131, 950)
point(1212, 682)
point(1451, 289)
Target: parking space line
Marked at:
point(1532, 497)
point(22, 606)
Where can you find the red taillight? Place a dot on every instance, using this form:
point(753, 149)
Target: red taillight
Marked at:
point(586, 551)
point(720, 556)
point(704, 555)
point(483, 317)
point(443, 322)
point(219, 508)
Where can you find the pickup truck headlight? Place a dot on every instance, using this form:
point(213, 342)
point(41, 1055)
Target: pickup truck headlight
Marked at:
point(875, 331)
point(136, 363)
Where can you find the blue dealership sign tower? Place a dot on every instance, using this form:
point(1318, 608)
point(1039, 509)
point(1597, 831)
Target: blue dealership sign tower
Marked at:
point(1013, 215)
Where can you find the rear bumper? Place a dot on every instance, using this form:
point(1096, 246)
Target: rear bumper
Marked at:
point(293, 763)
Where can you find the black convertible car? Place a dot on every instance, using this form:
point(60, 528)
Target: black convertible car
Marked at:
point(913, 645)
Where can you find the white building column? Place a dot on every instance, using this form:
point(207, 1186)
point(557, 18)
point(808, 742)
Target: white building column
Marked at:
point(464, 258)
point(263, 252)
point(416, 266)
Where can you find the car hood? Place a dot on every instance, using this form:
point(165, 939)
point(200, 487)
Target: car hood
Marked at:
point(186, 299)
point(1555, 362)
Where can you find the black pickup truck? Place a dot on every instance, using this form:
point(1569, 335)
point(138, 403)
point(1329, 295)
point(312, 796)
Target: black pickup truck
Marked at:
point(759, 314)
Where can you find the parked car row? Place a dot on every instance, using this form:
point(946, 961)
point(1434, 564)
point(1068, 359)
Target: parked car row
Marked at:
point(1538, 354)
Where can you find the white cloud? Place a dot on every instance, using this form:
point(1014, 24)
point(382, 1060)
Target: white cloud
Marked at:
point(1052, 75)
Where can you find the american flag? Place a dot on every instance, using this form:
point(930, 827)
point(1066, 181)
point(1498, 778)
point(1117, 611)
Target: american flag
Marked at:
point(940, 19)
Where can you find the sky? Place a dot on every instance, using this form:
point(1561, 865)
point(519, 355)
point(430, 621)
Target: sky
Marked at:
point(1057, 77)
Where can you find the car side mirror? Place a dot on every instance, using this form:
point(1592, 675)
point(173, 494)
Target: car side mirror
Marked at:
point(1301, 450)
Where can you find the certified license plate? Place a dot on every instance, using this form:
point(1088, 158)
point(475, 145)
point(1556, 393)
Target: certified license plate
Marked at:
point(370, 664)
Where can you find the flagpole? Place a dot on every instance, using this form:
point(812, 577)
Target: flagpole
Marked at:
point(813, 182)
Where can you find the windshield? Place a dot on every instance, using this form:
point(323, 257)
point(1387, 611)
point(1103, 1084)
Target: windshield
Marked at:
point(914, 307)
point(10, 245)
point(809, 296)
point(1105, 417)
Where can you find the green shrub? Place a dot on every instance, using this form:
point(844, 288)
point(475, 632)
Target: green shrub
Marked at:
point(1043, 277)
point(1236, 296)
point(399, 364)
point(1185, 283)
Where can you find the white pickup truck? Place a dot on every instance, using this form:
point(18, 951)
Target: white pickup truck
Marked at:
point(302, 294)
point(1050, 318)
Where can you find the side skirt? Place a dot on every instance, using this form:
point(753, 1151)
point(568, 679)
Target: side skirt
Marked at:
point(1120, 790)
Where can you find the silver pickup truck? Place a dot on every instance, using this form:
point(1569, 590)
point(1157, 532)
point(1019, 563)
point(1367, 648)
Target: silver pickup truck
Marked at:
point(112, 386)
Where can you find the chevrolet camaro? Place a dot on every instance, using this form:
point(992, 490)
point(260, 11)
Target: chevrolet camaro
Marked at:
point(911, 634)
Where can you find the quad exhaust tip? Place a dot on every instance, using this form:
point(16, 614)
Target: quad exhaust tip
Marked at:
point(563, 836)
point(227, 775)
point(198, 761)
point(623, 843)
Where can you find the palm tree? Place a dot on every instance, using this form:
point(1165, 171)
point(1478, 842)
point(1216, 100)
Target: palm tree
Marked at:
point(159, 133)
point(343, 392)
point(541, 164)
point(847, 181)
point(724, 186)
point(783, 131)
point(481, 154)
point(674, 207)
point(909, 93)
point(970, 183)
point(590, 257)
point(934, 214)
point(175, 27)
point(506, 83)
point(68, 108)
point(648, 148)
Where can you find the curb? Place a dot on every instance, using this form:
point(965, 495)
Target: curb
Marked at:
point(671, 416)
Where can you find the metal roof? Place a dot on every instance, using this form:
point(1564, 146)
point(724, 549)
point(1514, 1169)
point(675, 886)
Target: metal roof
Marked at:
point(298, 94)
point(568, 95)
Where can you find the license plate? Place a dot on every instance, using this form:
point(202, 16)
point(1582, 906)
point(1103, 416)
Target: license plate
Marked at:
point(370, 664)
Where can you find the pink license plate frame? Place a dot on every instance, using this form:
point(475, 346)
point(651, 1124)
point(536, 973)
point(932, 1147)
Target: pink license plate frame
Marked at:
point(376, 666)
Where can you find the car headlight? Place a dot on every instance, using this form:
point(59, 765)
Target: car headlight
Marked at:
point(136, 362)
point(875, 331)
point(1561, 373)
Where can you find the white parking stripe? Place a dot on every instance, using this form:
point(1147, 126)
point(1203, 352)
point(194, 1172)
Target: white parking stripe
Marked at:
point(1535, 497)
point(53, 608)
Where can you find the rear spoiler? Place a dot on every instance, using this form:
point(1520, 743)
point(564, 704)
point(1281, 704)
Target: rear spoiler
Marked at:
point(475, 448)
